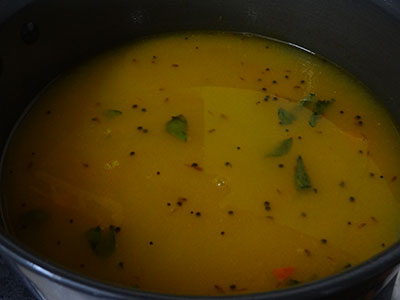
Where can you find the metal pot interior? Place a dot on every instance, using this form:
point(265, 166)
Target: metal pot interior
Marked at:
point(40, 39)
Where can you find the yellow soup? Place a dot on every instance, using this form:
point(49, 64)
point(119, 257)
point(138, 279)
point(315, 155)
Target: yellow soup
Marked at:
point(206, 164)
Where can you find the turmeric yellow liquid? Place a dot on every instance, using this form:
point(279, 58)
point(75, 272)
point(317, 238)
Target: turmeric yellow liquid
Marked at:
point(228, 207)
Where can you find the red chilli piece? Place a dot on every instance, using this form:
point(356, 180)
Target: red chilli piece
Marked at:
point(283, 273)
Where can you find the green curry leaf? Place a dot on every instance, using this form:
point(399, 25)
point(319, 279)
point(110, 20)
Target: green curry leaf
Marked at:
point(112, 113)
point(285, 117)
point(301, 178)
point(310, 98)
point(102, 241)
point(177, 127)
point(318, 109)
point(283, 148)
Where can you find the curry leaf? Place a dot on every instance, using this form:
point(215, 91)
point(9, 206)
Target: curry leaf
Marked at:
point(102, 241)
point(318, 109)
point(310, 98)
point(112, 113)
point(177, 127)
point(301, 178)
point(93, 236)
point(283, 148)
point(285, 117)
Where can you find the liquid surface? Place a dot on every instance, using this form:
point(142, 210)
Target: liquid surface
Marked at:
point(214, 175)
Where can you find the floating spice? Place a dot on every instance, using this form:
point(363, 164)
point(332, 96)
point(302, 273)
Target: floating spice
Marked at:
point(112, 113)
point(181, 200)
point(177, 127)
point(310, 98)
point(285, 117)
point(283, 273)
point(196, 167)
point(282, 149)
point(102, 241)
point(318, 109)
point(267, 205)
point(301, 178)
point(218, 288)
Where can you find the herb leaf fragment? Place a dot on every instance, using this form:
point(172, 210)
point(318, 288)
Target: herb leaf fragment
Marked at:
point(102, 241)
point(112, 113)
point(282, 149)
point(318, 109)
point(285, 117)
point(301, 178)
point(177, 127)
point(310, 98)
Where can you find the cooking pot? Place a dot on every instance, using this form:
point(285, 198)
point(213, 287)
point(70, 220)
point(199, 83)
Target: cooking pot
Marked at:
point(40, 39)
